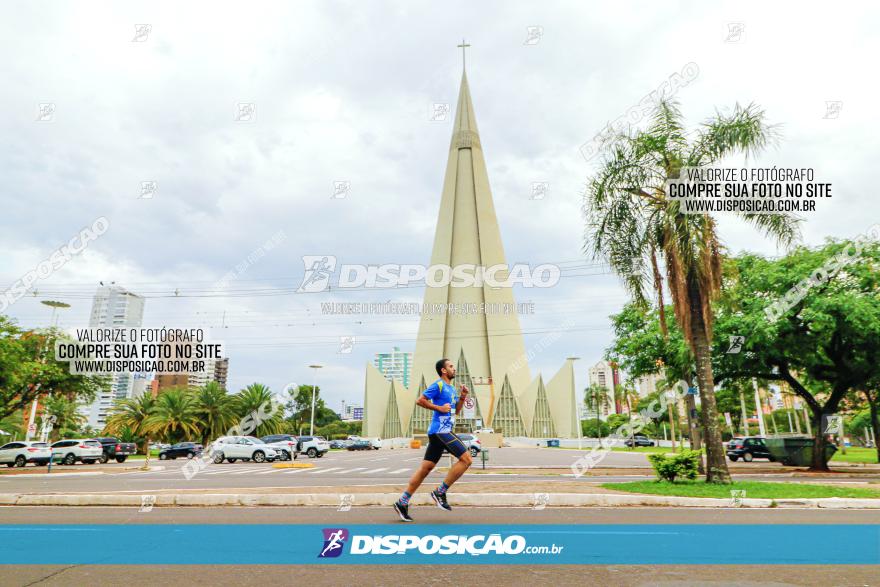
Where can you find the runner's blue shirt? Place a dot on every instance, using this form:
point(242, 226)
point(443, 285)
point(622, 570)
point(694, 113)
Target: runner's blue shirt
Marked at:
point(441, 393)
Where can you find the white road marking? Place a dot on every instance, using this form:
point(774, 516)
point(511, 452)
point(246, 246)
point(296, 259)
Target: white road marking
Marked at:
point(350, 470)
point(404, 470)
point(244, 472)
point(316, 471)
point(371, 471)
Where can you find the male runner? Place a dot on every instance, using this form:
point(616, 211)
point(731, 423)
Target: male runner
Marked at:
point(439, 397)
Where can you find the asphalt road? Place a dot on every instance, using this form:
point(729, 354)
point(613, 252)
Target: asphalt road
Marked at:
point(314, 576)
point(337, 468)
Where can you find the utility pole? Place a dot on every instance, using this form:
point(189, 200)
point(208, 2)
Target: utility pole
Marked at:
point(314, 393)
point(758, 408)
point(745, 415)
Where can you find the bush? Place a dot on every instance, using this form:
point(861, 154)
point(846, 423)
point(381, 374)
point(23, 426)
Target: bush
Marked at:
point(682, 465)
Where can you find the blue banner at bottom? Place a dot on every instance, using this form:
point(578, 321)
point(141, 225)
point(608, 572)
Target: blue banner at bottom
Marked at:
point(587, 544)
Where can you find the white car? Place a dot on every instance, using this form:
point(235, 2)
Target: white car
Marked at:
point(314, 446)
point(377, 443)
point(243, 448)
point(20, 453)
point(69, 451)
point(472, 442)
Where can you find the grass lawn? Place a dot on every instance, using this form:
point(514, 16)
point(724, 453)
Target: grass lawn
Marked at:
point(856, 455)
point(753, 489)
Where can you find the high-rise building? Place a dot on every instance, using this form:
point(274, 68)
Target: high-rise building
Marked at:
point(486, 345)
point(605, 375)
point(394, 365)
point(648, 384)
point(113, 307)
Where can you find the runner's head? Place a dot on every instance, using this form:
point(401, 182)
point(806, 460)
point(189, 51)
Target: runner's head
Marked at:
point(445, 366)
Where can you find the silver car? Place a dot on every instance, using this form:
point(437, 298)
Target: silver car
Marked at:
point(242, 448)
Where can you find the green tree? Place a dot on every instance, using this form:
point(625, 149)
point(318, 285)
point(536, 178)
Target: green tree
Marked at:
point(258, 408)
point(130, 416)
point(174, 417)
point(825, 346)
point(64, 413)
point(634, 225)
point(216, 411)
point(28, 369)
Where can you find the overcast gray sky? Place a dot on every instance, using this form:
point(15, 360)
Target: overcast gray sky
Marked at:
point(343, 91)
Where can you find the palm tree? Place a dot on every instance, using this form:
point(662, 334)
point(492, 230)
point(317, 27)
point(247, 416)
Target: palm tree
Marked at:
point(256, 406)
point(215, 410)
point(67, 419)
point(634, 226)
point(175, 416)
point(130, 416)
point(630, 397)
point(596, 399)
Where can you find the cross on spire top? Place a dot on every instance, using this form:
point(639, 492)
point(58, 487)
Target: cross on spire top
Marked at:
point(463, 46)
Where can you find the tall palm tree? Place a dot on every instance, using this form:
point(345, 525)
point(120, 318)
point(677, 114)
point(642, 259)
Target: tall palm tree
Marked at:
point(633, 225)
point(596, 399)
point(174, 417)
point(215, 410)
point(130, 416)
point(256, 406)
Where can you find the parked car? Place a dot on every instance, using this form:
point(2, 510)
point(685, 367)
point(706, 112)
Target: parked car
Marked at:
point(360, 445)
point(314, 446)
point(20, 453)
point(472, 442)
point(114, 449)
point(337, 444)
point(181, 449)
point(285, 444)
point(484, 431)
point(69, 451)
point(639, 440)
point(376, 443)
point(243, 448)
point(748, 448)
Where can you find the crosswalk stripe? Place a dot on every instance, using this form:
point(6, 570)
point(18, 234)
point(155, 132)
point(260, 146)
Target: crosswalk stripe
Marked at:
point(316, 471)
point(244, 472)
point(272, 470)
point(350, 470)
point(289, 471)
point(403, 470)
point(374, 471)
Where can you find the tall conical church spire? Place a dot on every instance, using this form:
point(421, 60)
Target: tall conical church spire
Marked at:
point(468, 234)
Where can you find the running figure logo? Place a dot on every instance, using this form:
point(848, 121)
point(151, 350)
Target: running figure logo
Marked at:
point(318, 269)
point(334, 540)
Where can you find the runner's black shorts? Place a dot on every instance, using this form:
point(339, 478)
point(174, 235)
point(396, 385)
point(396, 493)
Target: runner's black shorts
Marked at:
point(444, 441)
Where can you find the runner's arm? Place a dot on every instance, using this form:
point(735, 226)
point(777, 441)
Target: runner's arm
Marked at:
point(426, 403)
point(460, 404)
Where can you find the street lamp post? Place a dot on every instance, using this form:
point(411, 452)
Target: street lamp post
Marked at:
point(32, 426)
point(314, 393)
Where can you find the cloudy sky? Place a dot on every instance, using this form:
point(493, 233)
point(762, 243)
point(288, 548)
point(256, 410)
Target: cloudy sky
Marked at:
point(343, 92)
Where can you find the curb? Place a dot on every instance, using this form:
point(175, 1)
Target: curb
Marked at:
point(461, 499)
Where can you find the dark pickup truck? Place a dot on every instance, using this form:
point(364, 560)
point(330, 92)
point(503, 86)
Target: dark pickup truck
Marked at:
point(113, 449)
